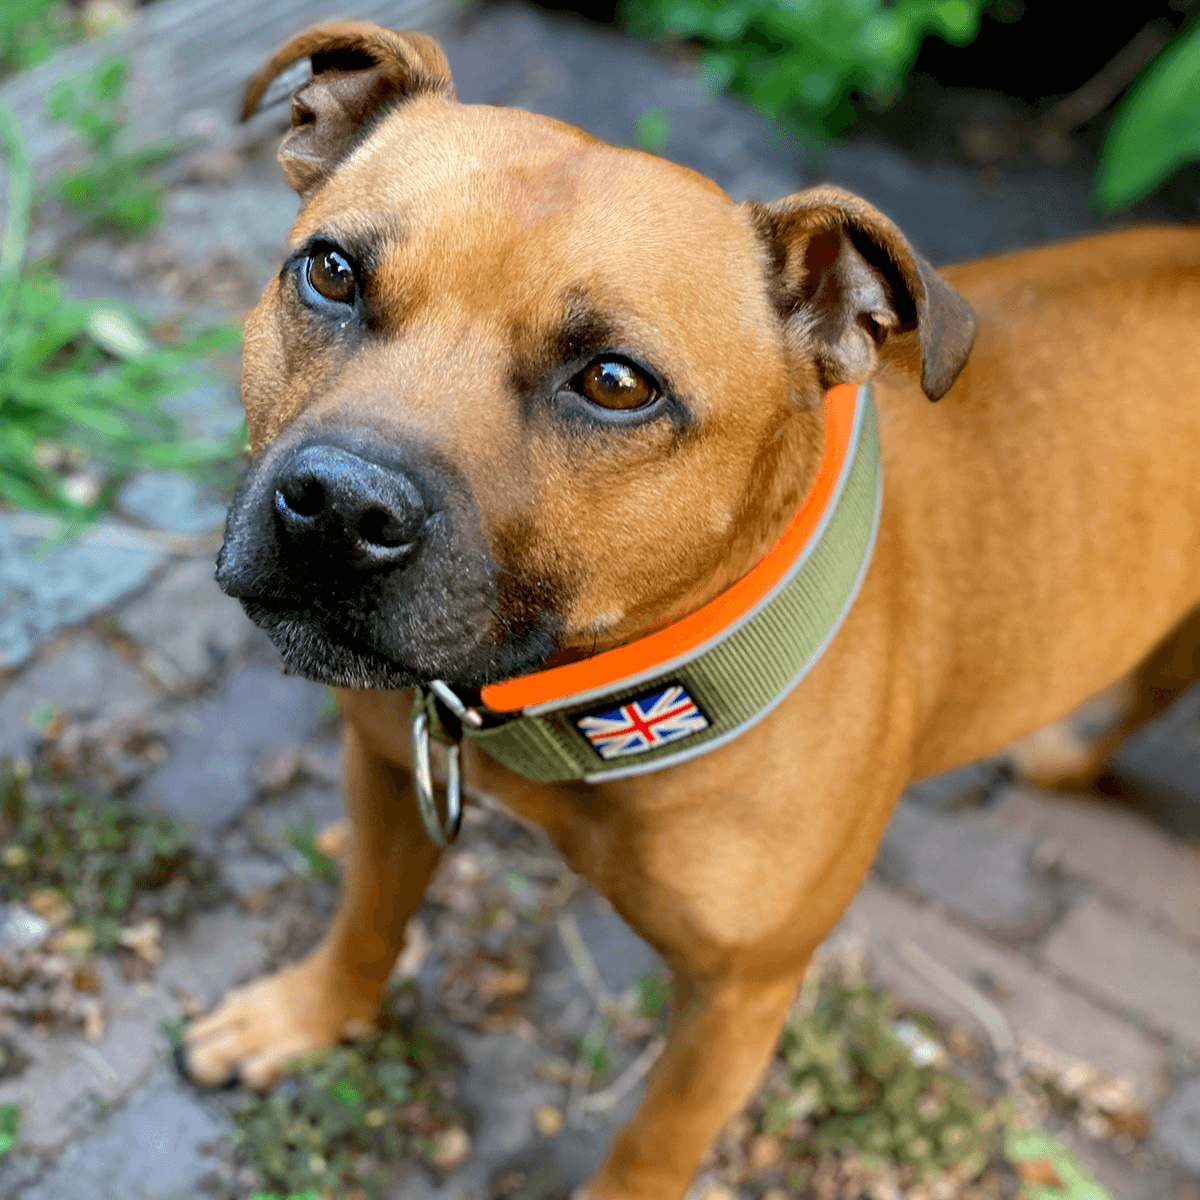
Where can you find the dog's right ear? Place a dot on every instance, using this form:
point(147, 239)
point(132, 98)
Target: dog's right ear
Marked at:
point(359, 70)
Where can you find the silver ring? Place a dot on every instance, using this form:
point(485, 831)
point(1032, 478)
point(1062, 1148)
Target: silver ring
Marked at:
point(422, 773)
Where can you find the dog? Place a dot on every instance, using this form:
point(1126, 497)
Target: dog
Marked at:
point(536, 422)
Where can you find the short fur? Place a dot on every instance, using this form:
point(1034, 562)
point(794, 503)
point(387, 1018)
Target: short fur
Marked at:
point(1039, 534)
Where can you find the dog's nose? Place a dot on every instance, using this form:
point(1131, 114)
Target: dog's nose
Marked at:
point(326, 498)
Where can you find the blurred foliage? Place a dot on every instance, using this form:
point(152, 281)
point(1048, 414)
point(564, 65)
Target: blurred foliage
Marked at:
point(340, 1122)
point(10, 1127)
point(81, 385)
point(29, 32)
point(1156, 129)
point(853, 1083)
point(111, 190)
point(803, 60)
point(1048, 1157)
point(106, 858)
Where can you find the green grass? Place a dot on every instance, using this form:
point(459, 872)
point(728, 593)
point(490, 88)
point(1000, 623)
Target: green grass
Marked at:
point(82, 385)
point(106, 857)
point(112, 190)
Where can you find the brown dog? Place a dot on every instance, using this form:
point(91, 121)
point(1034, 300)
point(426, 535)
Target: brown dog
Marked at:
point(498, 344)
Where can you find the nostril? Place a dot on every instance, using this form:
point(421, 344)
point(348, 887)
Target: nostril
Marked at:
point(378, 527)
point(305, 496)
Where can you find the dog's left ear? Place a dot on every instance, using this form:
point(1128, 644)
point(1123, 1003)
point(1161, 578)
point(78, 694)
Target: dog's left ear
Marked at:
point(357, 70)
point(848, 286)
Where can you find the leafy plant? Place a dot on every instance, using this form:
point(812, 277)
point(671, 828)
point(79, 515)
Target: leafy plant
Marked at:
point(653, 129)
point(804, 60)
point(320, 865)
point(653, 990)
point(111, 190)
point(344, 1116)
point(80, 383)
point(851, 1083)
point(29, 31)
point(1156, 129)
point(10, 1127)
point(105, 858)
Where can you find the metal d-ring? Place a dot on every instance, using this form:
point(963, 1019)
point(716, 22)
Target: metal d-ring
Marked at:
point(441, 835)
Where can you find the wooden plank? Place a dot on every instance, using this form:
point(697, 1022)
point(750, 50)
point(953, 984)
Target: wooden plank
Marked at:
point(191, 58)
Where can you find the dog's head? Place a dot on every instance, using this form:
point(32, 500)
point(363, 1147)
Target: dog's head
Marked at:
point(517, 395)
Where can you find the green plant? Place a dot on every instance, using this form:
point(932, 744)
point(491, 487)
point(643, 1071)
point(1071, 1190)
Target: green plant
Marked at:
point(803, 60)
point(320, 865)
point(1156, 129)
point(29, 31)
point(653, 992)
point(105, 858)
point(653, 129)
point(80, 383)
point(10, 1127)
point(111, 190)
point(851, 1083)
point(344, 1116)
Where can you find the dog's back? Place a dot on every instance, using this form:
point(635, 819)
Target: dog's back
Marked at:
point(1066, 462)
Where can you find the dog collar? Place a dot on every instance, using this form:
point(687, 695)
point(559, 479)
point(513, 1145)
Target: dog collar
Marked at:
point(700, 682)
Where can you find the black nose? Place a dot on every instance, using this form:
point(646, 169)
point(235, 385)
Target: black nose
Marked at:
point(329, 499)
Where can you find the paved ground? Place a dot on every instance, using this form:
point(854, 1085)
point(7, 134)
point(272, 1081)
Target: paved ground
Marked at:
point(1073, 925)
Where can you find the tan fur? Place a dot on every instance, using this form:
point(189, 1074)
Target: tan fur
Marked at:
point(1040, 534)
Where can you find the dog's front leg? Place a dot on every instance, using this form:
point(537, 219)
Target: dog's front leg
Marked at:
point(719, 1039)
point(256, 1029)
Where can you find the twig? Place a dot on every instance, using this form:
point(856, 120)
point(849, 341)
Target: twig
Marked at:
point(973, 1000)
point(581, 1076)
point(1109, 82)
point(584, 964)
point(628, 1079)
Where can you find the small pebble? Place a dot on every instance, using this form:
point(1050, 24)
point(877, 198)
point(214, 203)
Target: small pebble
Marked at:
point(451, 1148)
point(548, 1120)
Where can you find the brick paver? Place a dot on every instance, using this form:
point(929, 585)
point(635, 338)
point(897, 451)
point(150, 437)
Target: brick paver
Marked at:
point(1116, 851)
point(1127, 962)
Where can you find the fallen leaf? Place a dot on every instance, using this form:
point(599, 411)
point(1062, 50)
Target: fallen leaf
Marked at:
point(1039, 1170)
point(51, 905)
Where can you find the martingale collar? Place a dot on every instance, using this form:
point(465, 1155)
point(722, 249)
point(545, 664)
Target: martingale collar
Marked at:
point(699, 682)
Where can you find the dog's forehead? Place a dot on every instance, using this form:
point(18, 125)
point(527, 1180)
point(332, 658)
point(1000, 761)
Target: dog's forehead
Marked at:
point(482, 173)
point(497, 215)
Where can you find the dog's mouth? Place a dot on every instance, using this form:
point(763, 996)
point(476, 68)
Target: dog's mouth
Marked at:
point(321, 648)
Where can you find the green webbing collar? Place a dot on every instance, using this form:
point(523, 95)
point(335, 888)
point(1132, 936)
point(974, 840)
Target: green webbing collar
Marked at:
point(700, 701)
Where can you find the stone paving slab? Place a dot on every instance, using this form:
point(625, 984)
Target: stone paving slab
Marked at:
point(1113, 849)
point(187, 627)
point(880, 922)
point(68, 1075)
point(45, 587)
point(209, 777)
point(151, 1149)
point(1124, 960)
point(80, 678)
point(1177, 1129)
point(965, 862)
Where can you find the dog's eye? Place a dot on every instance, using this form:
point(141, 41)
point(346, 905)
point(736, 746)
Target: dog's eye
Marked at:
point(613, 383)
point(331, 276)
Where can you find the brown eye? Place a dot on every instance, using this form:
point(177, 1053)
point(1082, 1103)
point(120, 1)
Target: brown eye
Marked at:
point(330, 276)
point(612, 383)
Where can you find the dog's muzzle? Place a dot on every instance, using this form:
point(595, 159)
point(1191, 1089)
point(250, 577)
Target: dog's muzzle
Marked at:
point(364, 559)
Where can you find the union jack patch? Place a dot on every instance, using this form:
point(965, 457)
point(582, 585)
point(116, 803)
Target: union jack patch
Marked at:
point(643, 723)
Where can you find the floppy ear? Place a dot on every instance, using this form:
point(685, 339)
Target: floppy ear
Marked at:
point(849, 287)
point(359, 70)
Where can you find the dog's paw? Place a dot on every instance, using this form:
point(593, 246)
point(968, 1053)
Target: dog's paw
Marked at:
point(254, 1032)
